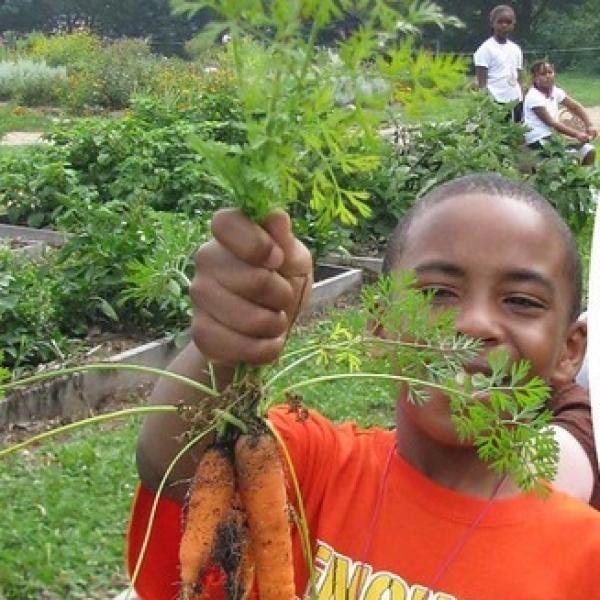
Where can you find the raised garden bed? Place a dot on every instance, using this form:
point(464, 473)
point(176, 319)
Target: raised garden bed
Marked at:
point(76, 396)
point(29, 241)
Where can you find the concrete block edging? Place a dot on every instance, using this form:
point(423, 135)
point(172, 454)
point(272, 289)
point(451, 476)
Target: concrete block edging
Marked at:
point(76, 396)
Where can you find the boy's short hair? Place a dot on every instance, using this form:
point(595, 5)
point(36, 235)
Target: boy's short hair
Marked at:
point(500, 9)
point(540, 65)
point(494, 185)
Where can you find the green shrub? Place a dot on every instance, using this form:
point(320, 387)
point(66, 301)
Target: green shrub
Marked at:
point(37, 186)
point(482, 140)
point(31, 83)
point(118, 70)
point(100, 75)
point(29, 331)
point(76, 50)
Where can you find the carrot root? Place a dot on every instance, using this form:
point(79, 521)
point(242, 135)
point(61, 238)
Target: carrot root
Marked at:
point(209, 501)
point(261, 485)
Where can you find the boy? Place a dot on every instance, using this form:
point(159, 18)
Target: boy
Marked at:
point(499, 62)
point(541, 112)
point(411, 513)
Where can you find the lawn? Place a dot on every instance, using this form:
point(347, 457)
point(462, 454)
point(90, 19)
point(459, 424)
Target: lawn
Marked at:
point(64, 508)
point(19, 118)
point(585, 88)
point(65, 505)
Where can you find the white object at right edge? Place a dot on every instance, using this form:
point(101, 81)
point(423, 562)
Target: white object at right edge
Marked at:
point(593, 321)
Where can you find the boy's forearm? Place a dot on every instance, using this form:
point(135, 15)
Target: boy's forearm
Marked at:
point(162, 435)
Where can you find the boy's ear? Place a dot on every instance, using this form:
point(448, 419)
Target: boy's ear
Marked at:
point(573, 353)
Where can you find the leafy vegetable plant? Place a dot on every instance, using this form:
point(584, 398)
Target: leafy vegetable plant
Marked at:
point(307, 112)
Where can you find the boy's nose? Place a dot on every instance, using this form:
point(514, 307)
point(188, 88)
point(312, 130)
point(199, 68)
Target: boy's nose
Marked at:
point(479, 320)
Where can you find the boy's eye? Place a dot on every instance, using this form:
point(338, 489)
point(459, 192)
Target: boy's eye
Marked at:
point(439, 295)
point(525, 303)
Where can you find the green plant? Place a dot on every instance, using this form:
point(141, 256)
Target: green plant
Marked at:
point(31, 83)
point(92, 263)
point(561, 178)
point(158, 283)
point(298, 134)
point(37, 186)
point(431, 153)
point(73, 50)
point(29, 331)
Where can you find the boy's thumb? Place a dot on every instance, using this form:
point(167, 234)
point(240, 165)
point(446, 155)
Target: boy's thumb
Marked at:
point(297, 259)
point(297, 264)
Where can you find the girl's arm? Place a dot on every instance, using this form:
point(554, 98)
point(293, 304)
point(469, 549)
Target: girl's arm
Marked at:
point(545, 116)
point(481, 73)
point(576, 109)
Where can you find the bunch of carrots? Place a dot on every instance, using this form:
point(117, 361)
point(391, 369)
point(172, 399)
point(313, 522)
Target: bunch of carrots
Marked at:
point(237, 516)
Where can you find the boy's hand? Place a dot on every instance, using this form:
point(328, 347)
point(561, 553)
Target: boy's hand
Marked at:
point(592, 132)
point(249, 284)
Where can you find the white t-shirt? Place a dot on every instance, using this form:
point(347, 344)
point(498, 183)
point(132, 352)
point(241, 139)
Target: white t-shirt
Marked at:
point(536, 128)
point(503, 63)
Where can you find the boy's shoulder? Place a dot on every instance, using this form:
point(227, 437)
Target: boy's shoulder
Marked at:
point(490, 45)
point(571, 518)
point(487, 44)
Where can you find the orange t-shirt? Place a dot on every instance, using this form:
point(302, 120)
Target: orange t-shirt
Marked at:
point(384, 531)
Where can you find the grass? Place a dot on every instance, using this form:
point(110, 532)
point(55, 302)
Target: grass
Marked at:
point(18, 118)
point(64, 506)
point(64, 509)
point(17, 150)
point(585, 88)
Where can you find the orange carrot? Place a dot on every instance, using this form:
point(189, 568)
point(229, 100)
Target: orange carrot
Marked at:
point(245, 575)
point(262, 489)
point(209, 501)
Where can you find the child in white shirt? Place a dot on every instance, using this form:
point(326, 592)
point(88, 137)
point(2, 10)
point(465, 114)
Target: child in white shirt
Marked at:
point(499, 61)
point(541, 114)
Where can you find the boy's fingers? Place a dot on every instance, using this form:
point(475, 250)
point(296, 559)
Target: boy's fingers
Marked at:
point(297, 265)
point(215, 265)
point(246, 240)
point(222, 345)
point(297, 261)
point(235, 312)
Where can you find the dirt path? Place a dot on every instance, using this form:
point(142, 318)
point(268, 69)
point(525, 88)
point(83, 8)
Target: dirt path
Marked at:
point(594, 112)
point(21, 138)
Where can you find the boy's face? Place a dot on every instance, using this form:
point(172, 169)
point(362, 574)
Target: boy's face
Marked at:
point(503, 24)
point(501, 265)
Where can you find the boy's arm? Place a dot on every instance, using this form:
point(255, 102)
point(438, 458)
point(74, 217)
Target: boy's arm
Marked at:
point(574, 475)
point(575, 108)
point(555, 124)
point(247, 288)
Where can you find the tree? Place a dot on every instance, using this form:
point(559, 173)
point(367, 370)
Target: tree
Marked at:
point(112, 18)
point(475, 14)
